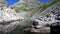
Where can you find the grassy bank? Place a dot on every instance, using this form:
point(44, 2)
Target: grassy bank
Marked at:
point(45, 6)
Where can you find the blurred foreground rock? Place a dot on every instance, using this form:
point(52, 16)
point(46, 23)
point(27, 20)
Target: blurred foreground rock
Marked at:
point(43, 30)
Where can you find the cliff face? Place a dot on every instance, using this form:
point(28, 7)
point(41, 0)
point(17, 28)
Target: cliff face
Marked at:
point(6, 16)
point(27, 5)
point(10, 17)
point(48, 16)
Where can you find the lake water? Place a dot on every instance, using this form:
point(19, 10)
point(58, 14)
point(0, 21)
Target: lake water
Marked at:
point(45, 1)
point(12, 2)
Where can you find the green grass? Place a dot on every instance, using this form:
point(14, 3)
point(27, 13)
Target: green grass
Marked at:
point(39, 9)
point(18, 29)
point(43, 7)
point(17, 10)
point(48, 5)
point(23, 8)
